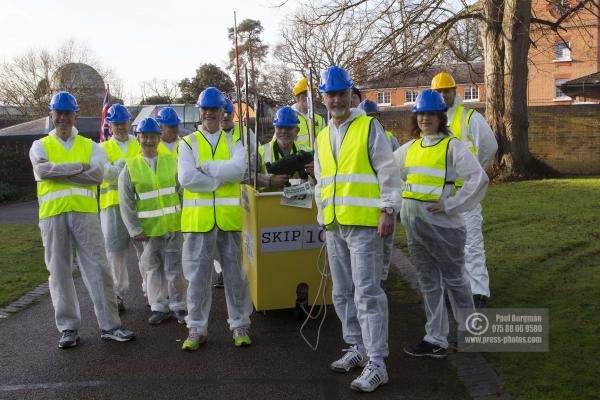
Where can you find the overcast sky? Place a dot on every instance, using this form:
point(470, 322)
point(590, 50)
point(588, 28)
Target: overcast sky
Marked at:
point(138, 40)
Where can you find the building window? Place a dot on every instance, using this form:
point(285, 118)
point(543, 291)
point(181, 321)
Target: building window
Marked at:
point(471, 93)
point(384, 98)
point(410, 96)
point(559, 95)
point(562, 51)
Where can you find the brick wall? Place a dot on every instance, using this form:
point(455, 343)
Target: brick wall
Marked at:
point(565, 137)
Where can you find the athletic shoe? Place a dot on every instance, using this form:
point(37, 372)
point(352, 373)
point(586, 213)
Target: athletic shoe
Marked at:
point(193, 341)
point(118, 334)
point(352, 359)
point(371, 378)
point(68, 339)
point(180, 316)
point(120, 304)
point(426, 349)
point(241, 337)
point(157, 317)
point(219, 281)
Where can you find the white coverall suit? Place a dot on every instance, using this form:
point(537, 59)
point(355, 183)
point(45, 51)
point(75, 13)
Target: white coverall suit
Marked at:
point(356, 253)
point(161, 256)
point(483, 139)
point(200, 249)
point(436, 241)
point(115, 233)
point(82, 230)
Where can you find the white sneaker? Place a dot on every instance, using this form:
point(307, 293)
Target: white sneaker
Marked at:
point(371, 378)
point(352, 359)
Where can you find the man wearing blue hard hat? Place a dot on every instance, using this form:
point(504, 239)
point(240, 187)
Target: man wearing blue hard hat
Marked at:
point(431, 214)
point(285, 143)
point(151, 208)
point(210, 170)
point(67, 168)
point(169, 127)
point(119, 148)
point(372, 110)
point(356, 196)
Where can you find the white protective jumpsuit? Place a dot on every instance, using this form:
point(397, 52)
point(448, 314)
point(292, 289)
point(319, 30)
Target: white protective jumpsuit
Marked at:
point(483, 139)
point(161, 256)
point(388, 242)
point(356, 253)
point(116, 237)
point(62, 232)
point(200, 249)
point(436, 241)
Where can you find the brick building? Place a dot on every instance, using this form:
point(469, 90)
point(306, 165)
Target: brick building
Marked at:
point(554, 60)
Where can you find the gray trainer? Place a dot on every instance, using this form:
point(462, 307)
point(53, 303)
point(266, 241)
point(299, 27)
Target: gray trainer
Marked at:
point(118, 334)
point(68, 339)
point(157, 317)
point(352, 359)
point(371, 378)
point(180, 316)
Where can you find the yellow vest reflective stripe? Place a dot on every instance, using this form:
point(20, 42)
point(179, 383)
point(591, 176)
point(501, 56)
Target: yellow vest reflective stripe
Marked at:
point(349, 186)
point(267, 153)
point(163, 149)
point(459, 126)
point(57, 197)
point(109, 194)
point(426, 170)
point(157, 202)
point(303, 136)
point(221, 208)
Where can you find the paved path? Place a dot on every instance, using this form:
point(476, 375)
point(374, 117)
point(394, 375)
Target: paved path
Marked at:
point(277, 366)
point(19, 213)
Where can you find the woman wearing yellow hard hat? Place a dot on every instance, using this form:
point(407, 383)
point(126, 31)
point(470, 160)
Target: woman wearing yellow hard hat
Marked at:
point(301, 107)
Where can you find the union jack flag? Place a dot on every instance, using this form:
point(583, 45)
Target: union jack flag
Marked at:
point(104, 133)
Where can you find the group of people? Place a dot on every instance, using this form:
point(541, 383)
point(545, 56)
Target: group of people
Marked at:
point(176, 201)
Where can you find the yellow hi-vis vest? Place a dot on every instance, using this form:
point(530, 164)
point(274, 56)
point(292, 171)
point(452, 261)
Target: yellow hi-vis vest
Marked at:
point(109, 194)
point(221, 208)
point(157, 201)
point(163, 149)
point(349, 186)
point(267, 153)
point(459, 126)
point(303, 136)
point(426, 170)
point(57, 197)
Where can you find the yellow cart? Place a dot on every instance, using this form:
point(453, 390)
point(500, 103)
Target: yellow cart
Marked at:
point(280, 250)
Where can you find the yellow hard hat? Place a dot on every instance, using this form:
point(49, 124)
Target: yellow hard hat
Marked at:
point(302, 86)
point(443, 80)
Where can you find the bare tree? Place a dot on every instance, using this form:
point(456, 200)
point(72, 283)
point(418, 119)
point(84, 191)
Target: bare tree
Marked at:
point(161, 90)
point(277, 82)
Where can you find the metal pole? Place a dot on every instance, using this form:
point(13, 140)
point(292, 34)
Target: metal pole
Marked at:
point(257, 111)
point(238, 88)
point(311, 107)
point(248, 125)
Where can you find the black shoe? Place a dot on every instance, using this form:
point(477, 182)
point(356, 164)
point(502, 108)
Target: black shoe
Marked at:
point(180, 316)
point(120, 304)
point(68, 339)
point(158, 317)
point(426, 349)
point(479, 300)
point(219, 281)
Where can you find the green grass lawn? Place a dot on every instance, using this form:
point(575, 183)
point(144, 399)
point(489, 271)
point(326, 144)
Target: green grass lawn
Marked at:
point(542, 240)
point(22, 263)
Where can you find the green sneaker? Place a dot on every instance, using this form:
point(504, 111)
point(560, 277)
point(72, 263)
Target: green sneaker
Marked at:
point(193, 342)
point(241, 337)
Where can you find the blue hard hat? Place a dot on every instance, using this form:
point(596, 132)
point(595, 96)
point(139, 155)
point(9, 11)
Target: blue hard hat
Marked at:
point(63, 101)
point(286, 116)
point(369, 106)
point(429, 100)
point(148, 125)
point(229, 106)
point(117, 113)
point(211, 97)
point(335, 78)
point(168, 116)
